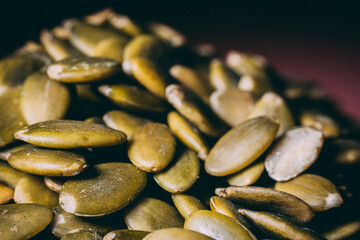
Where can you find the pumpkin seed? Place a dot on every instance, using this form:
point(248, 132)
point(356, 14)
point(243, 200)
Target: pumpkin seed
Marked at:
point(344, 231)
point(83, 235)
point(125, 24)
point(187, 204)
point(9, 175)
point(4, 155)
point(221, 77)
point(54, 184)
point(112, 48)
point(99, 18)
point(125, 234)
point(247, 176)
point(321, 122)
point(167, 33)
point(6, 194)
point(176, 233)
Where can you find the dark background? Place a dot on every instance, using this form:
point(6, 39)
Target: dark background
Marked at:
point(317, 39)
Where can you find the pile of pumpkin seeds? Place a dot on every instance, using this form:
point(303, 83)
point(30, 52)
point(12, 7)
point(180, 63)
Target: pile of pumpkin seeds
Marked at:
point(113, 129)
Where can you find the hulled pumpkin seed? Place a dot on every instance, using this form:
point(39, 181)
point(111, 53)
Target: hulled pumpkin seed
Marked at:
point(112, 48)
point(83, 235)
point(349, 152)
point(70, 134)
point(247, 176)
point(187, 204)
point(344, 231)
point(257, 85)
point(176, 233)
point(245, 63)
point(149, 214)
point(54, 184)
point(100, 17)
point(152, 147)
point(294, 153)
point(167, 33)
point(221, 77)
point(9, 175)
point(6, 194)
point(321, 122)
point(125, 234)
point(125, 24)
point(119, 183)
point(4, 155)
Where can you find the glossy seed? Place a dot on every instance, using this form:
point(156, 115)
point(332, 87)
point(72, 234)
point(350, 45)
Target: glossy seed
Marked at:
point(221, 77)
point(274, 107)
point(111, 48)
point(217, 226)
point(279, 226)
point(149, 214)
point(294, 153)
point(113, 187)
point(4, 155)
point(54, 184)
point(232, 105)
point(318, 192)
point(6, 194)
point(125, 235)
point(133, 98)
point(23, 221)
point(83, 69)
point(70, 134)
point(43, 99)
point(247, 176)
point(268, 199)
point(152, 147)
point(83, 235)
point(344, 231)
point(240, 146)
point(150, 75)
point(9, 175)
point(125, 24)
point(167, 33)
point(187, 204)
point(187, 133)
point(181, 174)
point(321, 122)
point(195, 111)
point(176, 233)
point(11, 119)
point(123, 121)
point(47, 162)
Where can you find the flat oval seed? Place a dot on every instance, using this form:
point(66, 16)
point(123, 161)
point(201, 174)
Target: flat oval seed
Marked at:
point(70, 134)
point(152, 147)
point(181, 174)
point(187, 204)
point(112, 48)
point(43, 99)
point(194, 110)
point(149, 214)
point(9, 175)
point(279, 226)
point(318, 192)
point(187, 133)
point(167, 33)
point(23, 221)
point(247, 176)
point(221, 77)
point(4, 155)
point(217, 226)
point(133, 98)
point(125, 235)
point(294, 153)
point(32, 189)
point(256, 84)
point(83, 235)
point(176, 233)
point(48, 162)
point(344, 231)
point(54, 184)
point(268, 199)
point(232, 105)
point(123, 121)
point(321, 122)
point(100, 17)
point(6, 194)
point(83, 69)
point(244, 63)
point(114, 186)
point(240, 146)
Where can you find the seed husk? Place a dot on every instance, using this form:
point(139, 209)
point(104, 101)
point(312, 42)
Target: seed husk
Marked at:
point(6, 194)
point(112, 48)
point(343, 231)
point(133, 98)
point(47, 162)
point(54, 184)
point(217, 226)
point(32, 189)
point(4, 155)
point(176, 233)
point(149, 214)
point(83, 69)
point(247, 176)
point(187, 133)
point(70, 134)
point(268, 199)
point(167, 33)
point(321, 122)
point(181, 174)
point(114, 186)
point(152, 147)
point(240, 146)
point(83, 235)
point(43, 99)
point(221, 77)
point(187, 204)
point(23, 221)
point(279, 226)
point(125, 234)
point(318, 192)
point(125, 24)
point(296, 151)
point(9, 175)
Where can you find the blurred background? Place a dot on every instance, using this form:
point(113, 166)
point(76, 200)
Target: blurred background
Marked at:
point(315, 39)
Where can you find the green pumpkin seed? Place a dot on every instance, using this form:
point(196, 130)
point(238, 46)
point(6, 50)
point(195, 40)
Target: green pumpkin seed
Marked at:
point(125, 235)
point(176, 233)
point(268, 199)
point(96, 120)
point(100, 17)
point(133, 98)
point(86, 93)
point(318, 192)
point(187, 133)
point(279, 226)
point(344, 231)
point(247, 176)
point(83, 235)
point(112, 48)
point(70, 134)
point(240, 146)
point(187, 204)
point(181, 174)
point(4, 155)
point(6, 194)
point(23, 221)
point(125, 24)
point(321, 122)
point(149, 214)
point(167, 33)
point(9, 175)
point(217, 226)
point(221, 77)
point(294, 153)
point(83, 69)
point(54, 184)
point(47, 162)
point(119, 183)
point(194, 110)
point(152, 147)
